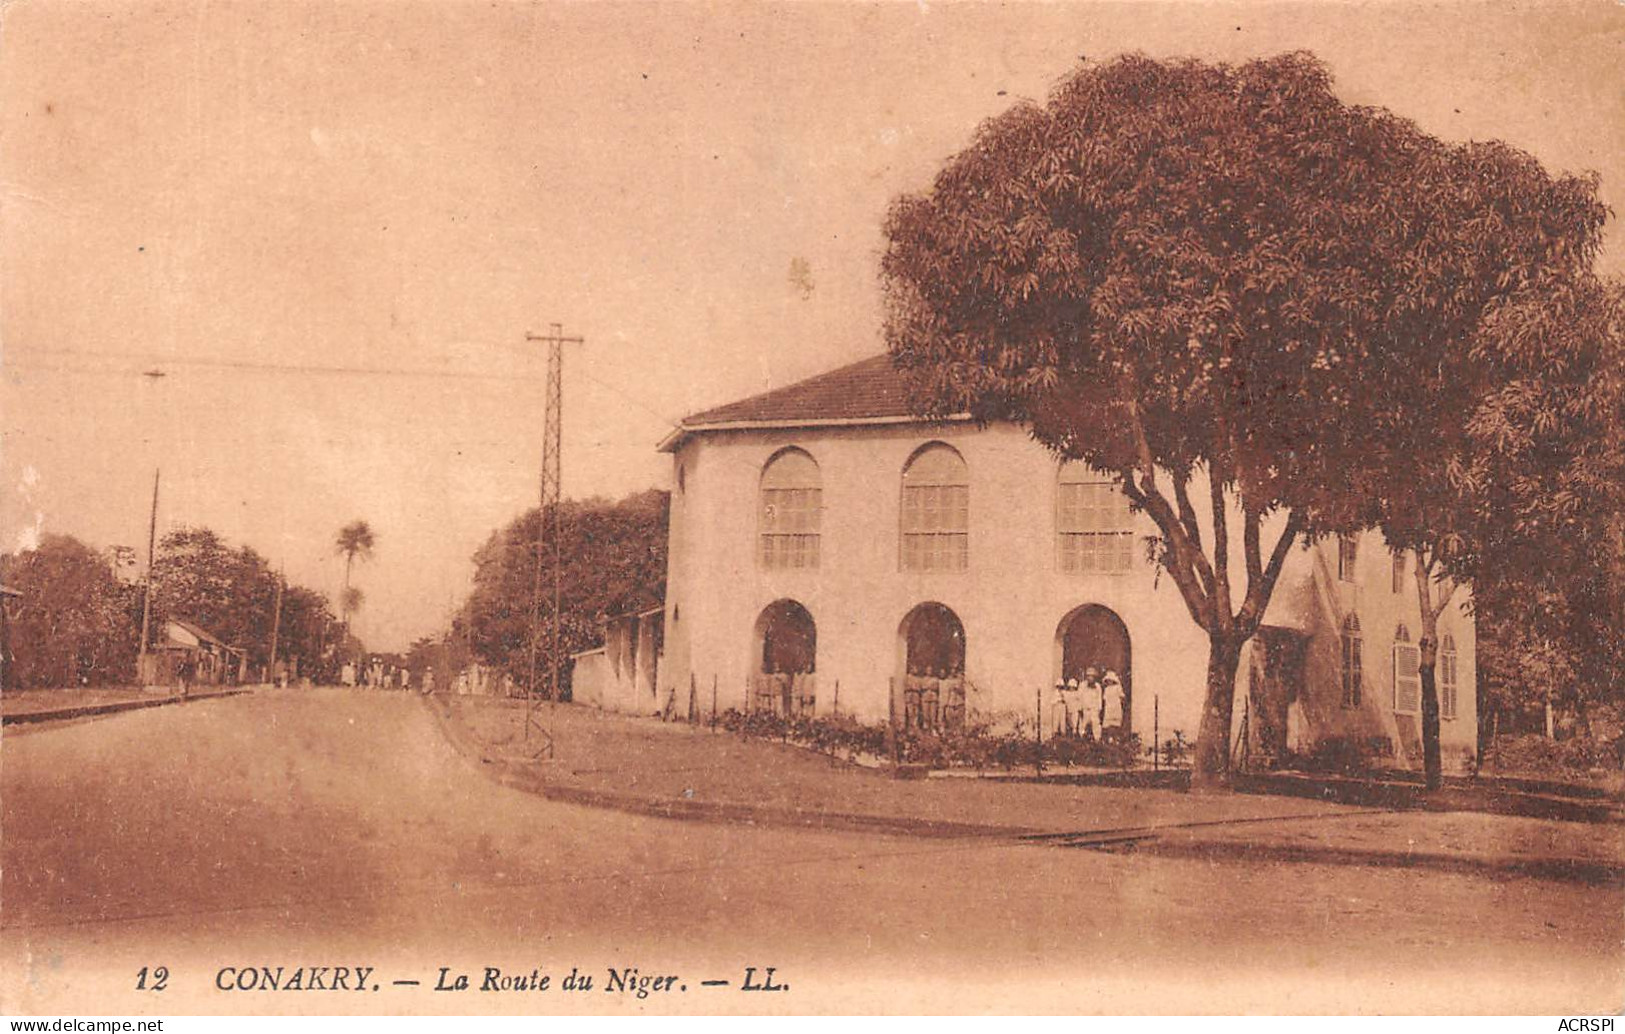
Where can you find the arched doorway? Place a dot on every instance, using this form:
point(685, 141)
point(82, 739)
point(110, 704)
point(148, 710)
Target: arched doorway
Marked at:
point(786, 659)
point(932, 642)
point(1093, 636)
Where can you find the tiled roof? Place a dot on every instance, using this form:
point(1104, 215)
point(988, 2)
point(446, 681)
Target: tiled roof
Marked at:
point(867, 389)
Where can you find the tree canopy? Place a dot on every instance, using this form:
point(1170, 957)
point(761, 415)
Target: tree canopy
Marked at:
point(74, 620)
point(355, 541)
point(231, 593)
point(614, 562)
point(1214, 277)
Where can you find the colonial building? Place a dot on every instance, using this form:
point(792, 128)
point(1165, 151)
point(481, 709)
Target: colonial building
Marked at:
point(832, 552)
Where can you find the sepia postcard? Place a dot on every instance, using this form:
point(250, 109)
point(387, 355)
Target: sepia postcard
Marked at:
point(1084, 508)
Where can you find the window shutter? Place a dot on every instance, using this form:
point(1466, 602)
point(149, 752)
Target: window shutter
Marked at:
point(1407, 678)
point(1447, 679)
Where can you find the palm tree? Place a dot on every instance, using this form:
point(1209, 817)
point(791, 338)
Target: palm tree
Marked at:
point(355, 540)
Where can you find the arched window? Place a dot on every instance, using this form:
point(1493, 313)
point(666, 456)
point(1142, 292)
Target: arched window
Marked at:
point(791, 507)
point(1348, 551)
point(1447, 676)
point(1399, 570)
point(1092, 522)
point(1351, 667)
point(1407, 673)
point(936, 511)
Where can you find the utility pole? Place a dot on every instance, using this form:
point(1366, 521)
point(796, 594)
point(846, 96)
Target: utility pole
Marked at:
point(142, 664)
point(276, 627)
point(552, 441)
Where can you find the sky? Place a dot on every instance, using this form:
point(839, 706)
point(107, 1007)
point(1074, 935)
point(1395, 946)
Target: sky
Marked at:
point(330, 227)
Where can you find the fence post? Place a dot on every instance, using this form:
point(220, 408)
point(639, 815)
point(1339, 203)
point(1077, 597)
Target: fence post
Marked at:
point(1156, 733)
point(891, 717)
point(835, 708)
point(713, 701)
point(693, 700)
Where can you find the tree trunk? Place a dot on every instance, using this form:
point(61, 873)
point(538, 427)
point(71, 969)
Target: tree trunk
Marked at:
point(1211, 770)
point(1432, 762)
point(1427, 664)
point(344, 606)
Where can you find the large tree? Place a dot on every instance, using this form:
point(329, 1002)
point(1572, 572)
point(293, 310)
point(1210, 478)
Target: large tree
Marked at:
point(74, 623)
point(1194, 277)
point(308, 627)
point(1505, 470)
point(229, 592)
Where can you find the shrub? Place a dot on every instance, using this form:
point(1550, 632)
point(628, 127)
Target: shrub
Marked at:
point(1176, 749)
point(983, 742)
point(1536, 754)
point(1345, 754)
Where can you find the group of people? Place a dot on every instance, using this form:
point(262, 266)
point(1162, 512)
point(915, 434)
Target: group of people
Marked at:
point(786, 693)
point(1091, 707)
point(378, 675)
point(934, 699)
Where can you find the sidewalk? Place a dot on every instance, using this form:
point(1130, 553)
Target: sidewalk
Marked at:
point(38, 706)
point(648, 767)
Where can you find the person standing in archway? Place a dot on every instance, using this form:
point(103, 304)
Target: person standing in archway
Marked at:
point(1111, 715)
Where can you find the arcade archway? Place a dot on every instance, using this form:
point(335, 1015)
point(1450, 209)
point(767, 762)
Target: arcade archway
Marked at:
point(1094, 637)
point(931, 642)
point(786, 658)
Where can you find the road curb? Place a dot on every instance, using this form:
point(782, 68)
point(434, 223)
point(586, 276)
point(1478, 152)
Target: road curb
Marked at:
point(514, 777)
point(93, 710)
point(1573, 870)
point(1152, 840)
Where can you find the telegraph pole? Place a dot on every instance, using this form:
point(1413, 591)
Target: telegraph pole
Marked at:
point(552, 442)
point(276, 627)
point(142, 664)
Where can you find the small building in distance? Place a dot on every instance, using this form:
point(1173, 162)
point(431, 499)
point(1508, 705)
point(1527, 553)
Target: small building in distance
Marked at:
point(212, 661)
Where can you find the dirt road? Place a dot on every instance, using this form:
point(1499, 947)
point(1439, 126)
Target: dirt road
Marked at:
point(330, 829)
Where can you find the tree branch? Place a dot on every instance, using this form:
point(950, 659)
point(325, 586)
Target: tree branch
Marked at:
point(1250, 546)
point(1183, 572)
point(1187, 512)
point(1258, 593)
point(1187, 516)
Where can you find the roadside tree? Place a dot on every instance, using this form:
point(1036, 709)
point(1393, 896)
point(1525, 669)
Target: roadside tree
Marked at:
point(614, 562)
point(1197, 278)
point(1506, 469)
point(75, 622)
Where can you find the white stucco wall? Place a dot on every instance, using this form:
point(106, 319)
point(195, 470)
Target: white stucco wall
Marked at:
point(1011, 600)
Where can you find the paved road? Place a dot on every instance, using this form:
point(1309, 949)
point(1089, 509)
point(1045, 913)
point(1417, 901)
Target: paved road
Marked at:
point(332, 828)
